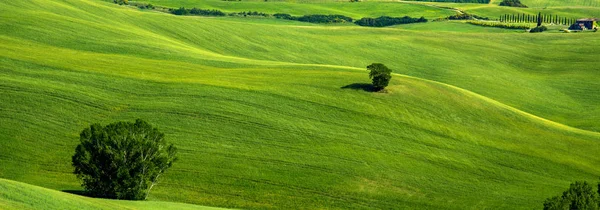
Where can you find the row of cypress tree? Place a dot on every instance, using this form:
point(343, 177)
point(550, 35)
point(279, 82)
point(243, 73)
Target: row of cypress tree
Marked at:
point(543, 18)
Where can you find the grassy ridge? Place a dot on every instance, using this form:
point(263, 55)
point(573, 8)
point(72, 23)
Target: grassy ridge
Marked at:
point(570, 9)
point(354, 10)
point(16, 195)
point(258, 109)
point(484, 67)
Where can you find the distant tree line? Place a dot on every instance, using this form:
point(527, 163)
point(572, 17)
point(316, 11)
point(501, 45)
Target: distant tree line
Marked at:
point(388, 21)
point(466, 16)
point(325, 19)
point(283, 16)
point(315, 18)
point(371, 22)
point(121, 2)
point(249, 13)
point(512, 3)
point(460, 1)
point(196, 11)
point(142, 5)
point(543, 18)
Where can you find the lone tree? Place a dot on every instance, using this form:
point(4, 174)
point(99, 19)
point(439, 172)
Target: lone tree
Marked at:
point(380, 74)
point(580, 195)
point(122, 160)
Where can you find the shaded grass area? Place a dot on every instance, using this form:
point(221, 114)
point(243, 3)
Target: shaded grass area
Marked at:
point(361, 86)
point(258, 111)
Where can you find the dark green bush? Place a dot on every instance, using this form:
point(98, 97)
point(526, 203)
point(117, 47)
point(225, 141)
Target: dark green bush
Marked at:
point(283, 16)
point(512, 3)
point(196, 11)
point(252, 14)
point(538, 29)
point(580, 195)
point(380, 74)
point(180, 11)
point(315, 18)
point(324, 19)
point(122, 160)
point(121, 2)
point(388, 21)
point(205, 12)
point(466, 16)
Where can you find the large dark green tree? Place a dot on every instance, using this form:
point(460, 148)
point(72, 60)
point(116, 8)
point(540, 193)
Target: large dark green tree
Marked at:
point(380, 74)
point(122, 160)
point(581, 195)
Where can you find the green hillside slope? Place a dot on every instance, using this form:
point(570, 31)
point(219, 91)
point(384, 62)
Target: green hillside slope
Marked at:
point(16, 195)
point(354, 10)
point(271, 115)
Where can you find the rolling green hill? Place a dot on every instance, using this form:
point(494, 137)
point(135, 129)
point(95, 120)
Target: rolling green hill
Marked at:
point(16, 195)
point(431, 10)
point(270, 114)
point(354, 10)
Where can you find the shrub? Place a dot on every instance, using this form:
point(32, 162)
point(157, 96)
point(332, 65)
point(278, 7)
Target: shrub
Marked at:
point(121, 2)
point(538, 29)
point(246, 14)
point(180, 11)
point(380, 74)
point(205, 12)
point(324, 19)
point(122, 160)
point(466, 16)
point(512, 3)
point(580, 195)
point(145, 6)
point(388, 21)
point(196, 11)
point(283, 16)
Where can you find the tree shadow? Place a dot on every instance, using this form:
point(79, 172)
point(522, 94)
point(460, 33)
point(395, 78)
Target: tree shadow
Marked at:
point(361, 86)
point(77, 192)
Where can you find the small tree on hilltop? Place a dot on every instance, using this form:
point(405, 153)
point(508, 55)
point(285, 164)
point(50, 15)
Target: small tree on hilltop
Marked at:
point(580, 195)
point(122, 160)
point(380, 74)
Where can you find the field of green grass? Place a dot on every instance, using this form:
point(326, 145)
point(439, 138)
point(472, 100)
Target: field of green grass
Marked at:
point(16, 195)
point(431, 10)
point(354, 10)
point(270, 113)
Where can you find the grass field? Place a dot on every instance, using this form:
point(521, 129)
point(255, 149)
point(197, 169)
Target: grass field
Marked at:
point(431, 10)
point(270, 114)
point(354, 10)
point(16, 195)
